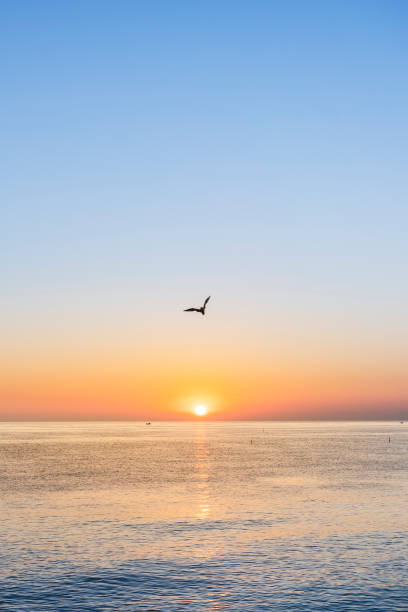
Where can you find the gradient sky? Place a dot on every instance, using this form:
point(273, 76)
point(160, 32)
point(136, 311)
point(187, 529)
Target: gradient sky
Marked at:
point(154, 153)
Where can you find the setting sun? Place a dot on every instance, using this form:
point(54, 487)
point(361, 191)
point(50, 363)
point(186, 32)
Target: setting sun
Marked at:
point(200, 410)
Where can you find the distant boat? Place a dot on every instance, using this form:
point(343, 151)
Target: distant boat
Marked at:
point(402, 422)
point(148, 423)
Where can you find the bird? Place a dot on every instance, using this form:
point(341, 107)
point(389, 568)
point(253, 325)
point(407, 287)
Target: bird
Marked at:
point(202, 309)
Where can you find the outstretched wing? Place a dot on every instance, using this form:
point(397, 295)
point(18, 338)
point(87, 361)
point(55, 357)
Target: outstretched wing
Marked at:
point(206, 301)
point(192, 310)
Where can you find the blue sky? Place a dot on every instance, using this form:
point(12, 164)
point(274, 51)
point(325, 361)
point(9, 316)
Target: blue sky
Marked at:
point(156, 152)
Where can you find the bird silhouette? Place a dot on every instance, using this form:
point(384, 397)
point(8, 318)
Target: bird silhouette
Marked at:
point(202, 309)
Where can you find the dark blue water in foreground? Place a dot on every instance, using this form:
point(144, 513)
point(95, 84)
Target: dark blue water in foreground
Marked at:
point(120, 516)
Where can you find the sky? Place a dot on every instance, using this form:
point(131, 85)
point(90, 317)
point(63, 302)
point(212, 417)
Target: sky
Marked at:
point(154, 153)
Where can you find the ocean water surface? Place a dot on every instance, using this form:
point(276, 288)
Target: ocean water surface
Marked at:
point(203, 516)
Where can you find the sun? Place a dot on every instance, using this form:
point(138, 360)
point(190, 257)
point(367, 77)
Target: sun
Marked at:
point(200, 410)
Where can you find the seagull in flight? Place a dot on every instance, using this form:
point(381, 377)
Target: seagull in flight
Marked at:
point(202, 309)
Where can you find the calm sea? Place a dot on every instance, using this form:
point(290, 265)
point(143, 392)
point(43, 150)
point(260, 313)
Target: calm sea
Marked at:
point(200, 516)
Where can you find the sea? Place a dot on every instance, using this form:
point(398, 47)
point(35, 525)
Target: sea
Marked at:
point(239, 516)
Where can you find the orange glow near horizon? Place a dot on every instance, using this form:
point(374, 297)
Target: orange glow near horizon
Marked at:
point(231, 383)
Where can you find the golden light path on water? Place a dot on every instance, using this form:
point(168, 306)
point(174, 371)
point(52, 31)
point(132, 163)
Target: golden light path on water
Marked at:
point(202, 475)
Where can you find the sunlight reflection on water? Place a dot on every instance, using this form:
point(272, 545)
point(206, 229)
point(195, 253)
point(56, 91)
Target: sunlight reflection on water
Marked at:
point(202, 467)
